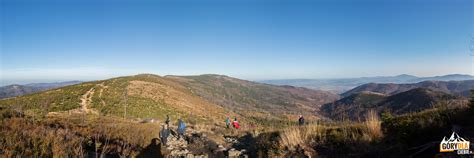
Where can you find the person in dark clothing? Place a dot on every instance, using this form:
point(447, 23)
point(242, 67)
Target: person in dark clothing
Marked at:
point(301, 120)
point(164, 133)
point(167, 120)
point(181, 128)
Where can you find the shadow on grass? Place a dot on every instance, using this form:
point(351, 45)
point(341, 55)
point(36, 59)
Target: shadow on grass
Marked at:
point(152, 150)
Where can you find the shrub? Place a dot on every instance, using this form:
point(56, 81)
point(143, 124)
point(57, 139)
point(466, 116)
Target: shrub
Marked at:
point(21, 138)
point(296, 137)
point(372, 124)
point(290, 138)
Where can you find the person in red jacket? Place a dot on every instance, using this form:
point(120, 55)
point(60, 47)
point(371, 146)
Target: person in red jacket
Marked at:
point(236, 123)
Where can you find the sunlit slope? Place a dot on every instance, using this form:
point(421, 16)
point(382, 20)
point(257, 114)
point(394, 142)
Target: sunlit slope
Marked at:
point(205, 98)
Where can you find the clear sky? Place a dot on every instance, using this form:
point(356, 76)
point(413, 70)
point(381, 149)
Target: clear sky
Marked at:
point(54, 40)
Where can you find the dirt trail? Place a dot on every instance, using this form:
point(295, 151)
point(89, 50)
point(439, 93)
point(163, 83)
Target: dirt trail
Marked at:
point(86, 99)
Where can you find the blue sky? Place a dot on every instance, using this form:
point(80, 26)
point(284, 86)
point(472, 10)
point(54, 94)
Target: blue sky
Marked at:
point(86, 40)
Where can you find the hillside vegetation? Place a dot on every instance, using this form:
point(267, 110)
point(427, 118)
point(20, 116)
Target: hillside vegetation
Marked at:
point(206, 99)
point(39, 104)
point(253, 99)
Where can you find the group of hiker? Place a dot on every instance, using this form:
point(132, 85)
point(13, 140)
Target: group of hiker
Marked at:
point(165, 131)
point(234, 123)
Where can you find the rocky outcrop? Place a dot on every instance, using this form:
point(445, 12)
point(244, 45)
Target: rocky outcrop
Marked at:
point(196, 145)
point(234, 153)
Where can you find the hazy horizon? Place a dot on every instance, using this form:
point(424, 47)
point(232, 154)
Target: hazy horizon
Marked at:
point(254, 40)
point(29, 81)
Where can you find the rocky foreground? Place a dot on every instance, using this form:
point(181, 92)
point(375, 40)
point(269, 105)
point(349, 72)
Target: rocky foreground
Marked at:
point(197, 145)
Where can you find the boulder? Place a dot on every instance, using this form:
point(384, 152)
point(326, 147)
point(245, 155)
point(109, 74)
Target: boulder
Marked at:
point(201, 156)
point(189, 155)
point(220, 147)
point(234, 153)
point(231, 140)
point(148, 120)
point(179, 153)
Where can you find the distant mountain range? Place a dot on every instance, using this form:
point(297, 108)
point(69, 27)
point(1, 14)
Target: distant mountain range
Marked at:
point(356, 105)
point(461, 88)
point(18, 90)
point(398, 98)
point(345, 84)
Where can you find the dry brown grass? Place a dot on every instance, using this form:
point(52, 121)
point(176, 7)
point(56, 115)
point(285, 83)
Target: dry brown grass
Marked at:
point(179, 98)
point(373, 127)
point(313, 135)
point(24, 139)
point(204, 128)
point(60, 137)
point(293, 137)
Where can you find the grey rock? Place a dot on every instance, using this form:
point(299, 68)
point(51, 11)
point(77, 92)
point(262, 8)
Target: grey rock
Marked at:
point(149, 120)
point(234, 153)
point(201, 156)
point(179, 152)
point(189, 155)
point(221, 148)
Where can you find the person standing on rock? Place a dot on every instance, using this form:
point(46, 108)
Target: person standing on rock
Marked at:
point(227, 122)
point(301, 120)
point(181, 128)
point(167, 120)
point(164, 133)
point(236, 123)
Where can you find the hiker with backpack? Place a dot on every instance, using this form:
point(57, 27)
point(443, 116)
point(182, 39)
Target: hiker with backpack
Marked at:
point(227, 122)
point(236, 123)
point(167, 120)
point(164, 133)
point(301, 120)
point(181, 128)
